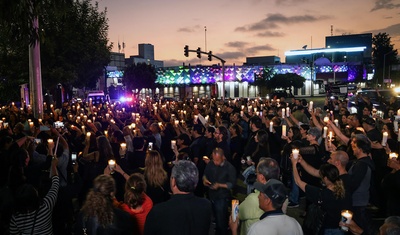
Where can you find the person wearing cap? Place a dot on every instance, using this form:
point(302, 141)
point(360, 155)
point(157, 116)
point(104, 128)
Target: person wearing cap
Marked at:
point(273, 222)
point(249, 211)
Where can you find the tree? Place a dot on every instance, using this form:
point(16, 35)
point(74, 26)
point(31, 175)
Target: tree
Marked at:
point(74, 47)
point(383, 54)
point(286, 81)
point(139, 76)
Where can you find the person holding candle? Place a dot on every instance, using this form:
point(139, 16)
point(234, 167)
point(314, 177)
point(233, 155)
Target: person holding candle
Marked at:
point(332, 197)
point(360, 178)
point(391, 188)
point(293, 140)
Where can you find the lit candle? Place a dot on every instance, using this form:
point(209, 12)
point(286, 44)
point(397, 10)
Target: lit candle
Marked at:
point(384, 139)
point(83, 129)
point(173, 143)
point(123, 146)
point(310, 106)
point(287, 112)
point(396, 125)
point(336, 122)
point(111, 165)
point(84, 118)
point(255, 110)
point(242, 107)
point(330, 138)
point(50, 141)
point(346, 218)
point(393, 156)
point(241, 113)
point(40, 120)
point(283, 113)
point(88, 135)
point(326, 119)
point(271, 126)
point(176, 122)
point(325, 132)
point(295, 153)
point(283, 130)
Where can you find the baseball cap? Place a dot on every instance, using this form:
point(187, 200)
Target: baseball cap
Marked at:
point(274, 189)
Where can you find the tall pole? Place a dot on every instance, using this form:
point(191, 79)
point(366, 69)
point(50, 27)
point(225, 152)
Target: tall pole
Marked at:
point(205, 37)
point(384, 66)
point(223, 80)
point(35, 76)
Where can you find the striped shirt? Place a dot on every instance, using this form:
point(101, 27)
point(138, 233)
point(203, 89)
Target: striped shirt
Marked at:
point(23, 223)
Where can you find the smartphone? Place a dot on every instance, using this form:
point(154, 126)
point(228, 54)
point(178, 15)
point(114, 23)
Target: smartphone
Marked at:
point(73, 158)
point(5, 124)
point(58, 124)
point(38, 141)
point(150, 145)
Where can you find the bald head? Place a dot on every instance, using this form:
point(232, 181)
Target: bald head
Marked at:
point(342, 157)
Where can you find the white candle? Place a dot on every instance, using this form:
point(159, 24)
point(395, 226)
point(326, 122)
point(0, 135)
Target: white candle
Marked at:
point(123, 146)
point(83, 129)
point(173, 143)
point(393, 156)
point(287, 112)
point(326, 119)
point(283, 113)
point(330, 138)
point(242, 107)
point(241, 113)
point(111, 164)
point(336, 122)
point(295, 153)
point(398, 112)
point(346, 218)
point(271, 126)
point(396, 125)
point(106, 133)
point(325, 132)
point(283, 130)
point(384, 139)
point(310, 106)
point(88, 135)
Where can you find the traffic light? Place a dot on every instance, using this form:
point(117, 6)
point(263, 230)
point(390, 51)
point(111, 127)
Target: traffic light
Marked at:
point(186, 50)
point(198, 52)
point(210, 55)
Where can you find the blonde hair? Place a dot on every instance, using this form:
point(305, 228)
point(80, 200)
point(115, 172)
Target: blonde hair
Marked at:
point(154, 172)
point(98, 202)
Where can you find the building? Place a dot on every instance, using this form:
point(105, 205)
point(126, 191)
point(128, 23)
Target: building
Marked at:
point(146, 55)
point(345, 59)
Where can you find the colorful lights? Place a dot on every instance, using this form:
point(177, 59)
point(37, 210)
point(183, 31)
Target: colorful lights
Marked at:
point(324, 50)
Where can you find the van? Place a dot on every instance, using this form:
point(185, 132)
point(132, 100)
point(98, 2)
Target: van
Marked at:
point(96, 96)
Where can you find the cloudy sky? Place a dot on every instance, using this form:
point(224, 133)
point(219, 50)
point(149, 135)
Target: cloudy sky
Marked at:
point(239, 28)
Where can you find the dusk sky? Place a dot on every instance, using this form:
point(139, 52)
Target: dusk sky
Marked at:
point(237, 29)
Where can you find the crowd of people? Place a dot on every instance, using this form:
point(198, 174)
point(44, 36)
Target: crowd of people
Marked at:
point(170, 167)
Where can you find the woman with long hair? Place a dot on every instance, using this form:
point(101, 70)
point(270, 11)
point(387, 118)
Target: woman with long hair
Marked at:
point(333, 198)
point(98, 215)
point(156, 177)
point(262, 149)
point(136, 202)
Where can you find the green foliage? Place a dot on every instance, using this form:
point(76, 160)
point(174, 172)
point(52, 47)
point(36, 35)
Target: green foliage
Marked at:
point(286, 81)
point(74, 43)
point(139, 76)
point(382, 46)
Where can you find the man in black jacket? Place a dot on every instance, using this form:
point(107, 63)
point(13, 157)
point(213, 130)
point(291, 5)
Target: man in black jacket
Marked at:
point(184, 213)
